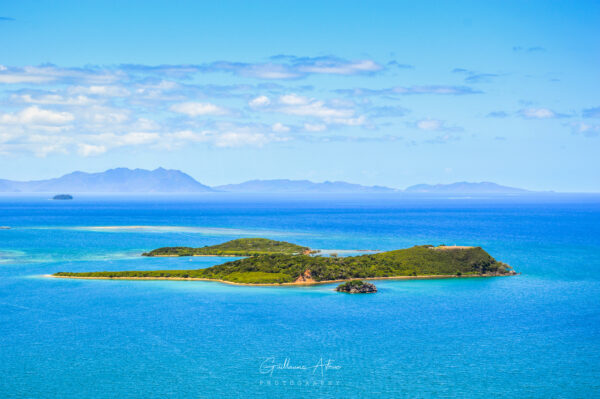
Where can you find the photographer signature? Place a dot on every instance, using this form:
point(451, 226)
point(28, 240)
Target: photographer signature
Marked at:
point(269, 365)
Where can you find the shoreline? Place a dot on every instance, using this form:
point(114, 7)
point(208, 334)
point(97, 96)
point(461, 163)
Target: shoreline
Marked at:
point(189, 256)
point(292, 284)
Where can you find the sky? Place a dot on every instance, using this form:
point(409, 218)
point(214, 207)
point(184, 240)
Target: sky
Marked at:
point(390, 93)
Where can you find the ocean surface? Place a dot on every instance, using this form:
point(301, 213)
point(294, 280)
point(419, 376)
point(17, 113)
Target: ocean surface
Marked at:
point(536, 335)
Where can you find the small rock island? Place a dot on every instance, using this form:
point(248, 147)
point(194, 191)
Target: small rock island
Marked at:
point(269, 262)
point(62, 197)
point(356, 287)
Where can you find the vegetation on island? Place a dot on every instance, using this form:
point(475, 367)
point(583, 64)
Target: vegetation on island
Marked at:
point(424, 260)
point(239, 247)
point(356, 287)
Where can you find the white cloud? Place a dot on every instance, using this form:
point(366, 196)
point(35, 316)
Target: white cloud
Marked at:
point(240, 139)
point(23, 75)
point(187, 135)
point(269, 71)
point(145, 124)
point(430, 124)
point(292, 67)
point(358, 121)
point(334, 112)
point(20, 78)
point(259, 101)
point(94, 109)
point(101, 118)
point(162, 85)
point(43, 144)
point(344, 69)
point(197, 109)
point(52, 99)
point(37, 116)
point(315, 127)
point(435, 125)
point(138, 138)
point(224, 136)
point(241, 135)
point(44, 74)
point(410, 90)
point(587, 129)
point(87, 150)
point(116, 140)
point(96, 144)
point(107, 91)
point(178, 139)
point(279, 67)
point(538, 113)
point(293, 104)
point(280, 128)
point(442, 139)
point(293, 99)
point(164, 90)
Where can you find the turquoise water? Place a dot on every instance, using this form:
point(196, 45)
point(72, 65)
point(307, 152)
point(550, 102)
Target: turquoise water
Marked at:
point(536, 335)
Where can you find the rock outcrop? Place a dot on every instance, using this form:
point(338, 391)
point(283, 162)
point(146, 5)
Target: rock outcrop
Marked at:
point(356, 287)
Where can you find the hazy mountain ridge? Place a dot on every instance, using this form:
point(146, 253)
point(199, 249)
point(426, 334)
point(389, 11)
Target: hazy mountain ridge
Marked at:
point(124, 180)
point(119, 180)
point(300, 186)
point(464, 188)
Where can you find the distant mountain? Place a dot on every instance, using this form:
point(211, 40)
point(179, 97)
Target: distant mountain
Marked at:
point(464, 188)
point(124, 180)
point(120, 180)
point(300, 186)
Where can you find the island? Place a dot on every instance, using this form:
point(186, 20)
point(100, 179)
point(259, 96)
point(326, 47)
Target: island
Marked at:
point(62, 197)
point(299, 268)
point(4, 227)
point(356, 287)
point(239, 247)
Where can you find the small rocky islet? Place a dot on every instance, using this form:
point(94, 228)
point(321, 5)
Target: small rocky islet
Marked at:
point(356, 287)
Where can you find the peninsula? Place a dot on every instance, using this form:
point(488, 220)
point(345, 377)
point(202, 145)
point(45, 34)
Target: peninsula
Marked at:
point(239, 247)
point(418, 262)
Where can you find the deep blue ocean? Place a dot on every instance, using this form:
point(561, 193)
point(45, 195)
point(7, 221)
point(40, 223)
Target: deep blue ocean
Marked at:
point(536, 335)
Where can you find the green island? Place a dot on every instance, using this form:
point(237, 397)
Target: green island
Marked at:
point(422, 261)
point(239, 247)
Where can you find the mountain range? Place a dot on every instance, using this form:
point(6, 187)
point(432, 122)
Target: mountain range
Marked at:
point(124, 180)
point(119, 180)
point(465, 188)
point(300, 186)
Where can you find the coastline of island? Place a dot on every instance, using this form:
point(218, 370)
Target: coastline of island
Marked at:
point(277, 263)
point(292, 284)
point(195, 255)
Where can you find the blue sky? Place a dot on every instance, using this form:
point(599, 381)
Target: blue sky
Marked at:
point(389, 93)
